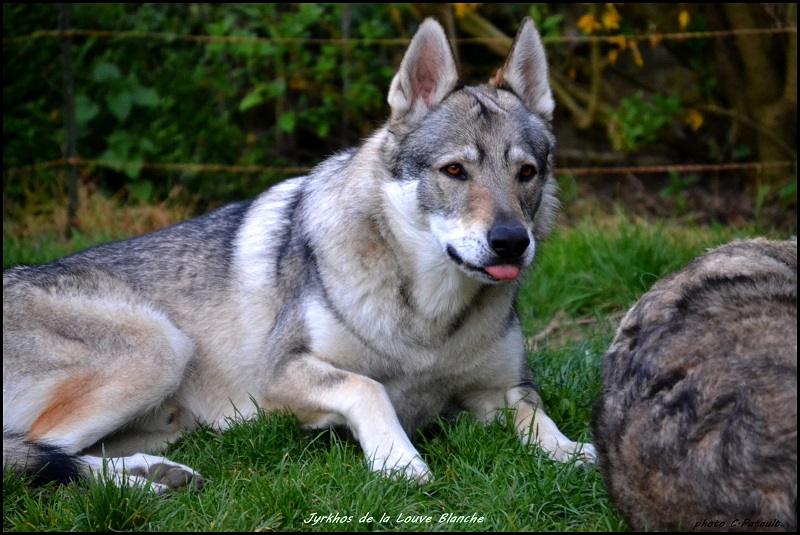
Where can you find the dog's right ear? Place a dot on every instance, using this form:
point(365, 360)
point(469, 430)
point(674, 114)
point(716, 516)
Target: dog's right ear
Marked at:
point(426, 75)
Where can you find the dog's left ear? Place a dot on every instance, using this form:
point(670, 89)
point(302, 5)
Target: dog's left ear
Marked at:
point(525, 71)
point(426, 75)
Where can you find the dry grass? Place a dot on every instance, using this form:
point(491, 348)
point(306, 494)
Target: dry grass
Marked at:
point(96, 213)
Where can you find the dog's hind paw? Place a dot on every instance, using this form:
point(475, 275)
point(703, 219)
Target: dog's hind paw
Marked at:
point(157, 473)
point(171, 475)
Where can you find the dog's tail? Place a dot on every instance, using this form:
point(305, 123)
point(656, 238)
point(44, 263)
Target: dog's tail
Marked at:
point(43, 462)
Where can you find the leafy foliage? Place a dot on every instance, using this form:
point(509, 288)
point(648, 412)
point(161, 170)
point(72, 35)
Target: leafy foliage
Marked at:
point(637, 120)
point(231, 102)
point(245, 91)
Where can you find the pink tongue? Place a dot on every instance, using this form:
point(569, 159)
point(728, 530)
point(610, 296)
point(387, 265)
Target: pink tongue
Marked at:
point(503, 272)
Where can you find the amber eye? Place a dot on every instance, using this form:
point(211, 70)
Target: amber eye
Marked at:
point(527, 172)
point(454, 170)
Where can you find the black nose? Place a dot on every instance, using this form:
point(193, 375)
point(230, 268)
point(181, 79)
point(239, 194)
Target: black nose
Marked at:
point(509, 240)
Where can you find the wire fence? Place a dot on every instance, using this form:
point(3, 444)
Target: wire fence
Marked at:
point(397, 41)
point(76, 162)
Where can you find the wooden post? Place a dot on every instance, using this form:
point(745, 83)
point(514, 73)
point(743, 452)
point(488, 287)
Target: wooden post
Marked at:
point(69, 120)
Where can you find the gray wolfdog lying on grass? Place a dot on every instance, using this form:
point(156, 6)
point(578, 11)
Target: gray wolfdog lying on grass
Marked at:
point(375, 293)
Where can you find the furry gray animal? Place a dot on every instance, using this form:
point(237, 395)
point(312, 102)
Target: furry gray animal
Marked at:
point(696, 428)
point(375, 293)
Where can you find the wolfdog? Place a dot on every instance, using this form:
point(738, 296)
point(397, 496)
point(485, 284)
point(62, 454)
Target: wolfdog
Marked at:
point(696, 428)
point(373, 294)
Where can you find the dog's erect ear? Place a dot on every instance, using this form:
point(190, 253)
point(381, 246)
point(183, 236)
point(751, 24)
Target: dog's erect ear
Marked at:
point(426, 75)
point(525, 72)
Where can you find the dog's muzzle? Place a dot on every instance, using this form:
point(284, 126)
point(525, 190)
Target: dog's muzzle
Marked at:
point(508, 242)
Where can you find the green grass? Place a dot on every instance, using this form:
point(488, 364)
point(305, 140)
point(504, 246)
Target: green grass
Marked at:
point(46, 247)
point(268, 475)
point(589, 271)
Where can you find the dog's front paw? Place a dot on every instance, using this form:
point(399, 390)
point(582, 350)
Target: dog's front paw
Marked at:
point(409, 467)
point(415, 472)
point(582, 453)
point(587, 455)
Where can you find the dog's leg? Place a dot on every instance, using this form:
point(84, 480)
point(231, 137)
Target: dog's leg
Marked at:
point(103, 366)
point(151, 432)
point(72, 423)
point(322, 395)
point(530, 422)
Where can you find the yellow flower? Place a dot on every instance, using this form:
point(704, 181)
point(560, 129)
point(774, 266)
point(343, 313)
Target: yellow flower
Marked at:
point(611, 18)
point(588, 24)
point(462, 10)
point(612, 56)
point(683, 19)
point(694, 119)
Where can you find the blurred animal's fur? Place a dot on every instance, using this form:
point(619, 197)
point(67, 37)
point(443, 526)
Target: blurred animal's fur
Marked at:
point(697, 425)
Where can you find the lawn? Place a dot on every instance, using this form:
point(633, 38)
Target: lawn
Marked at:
point(268, 475)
